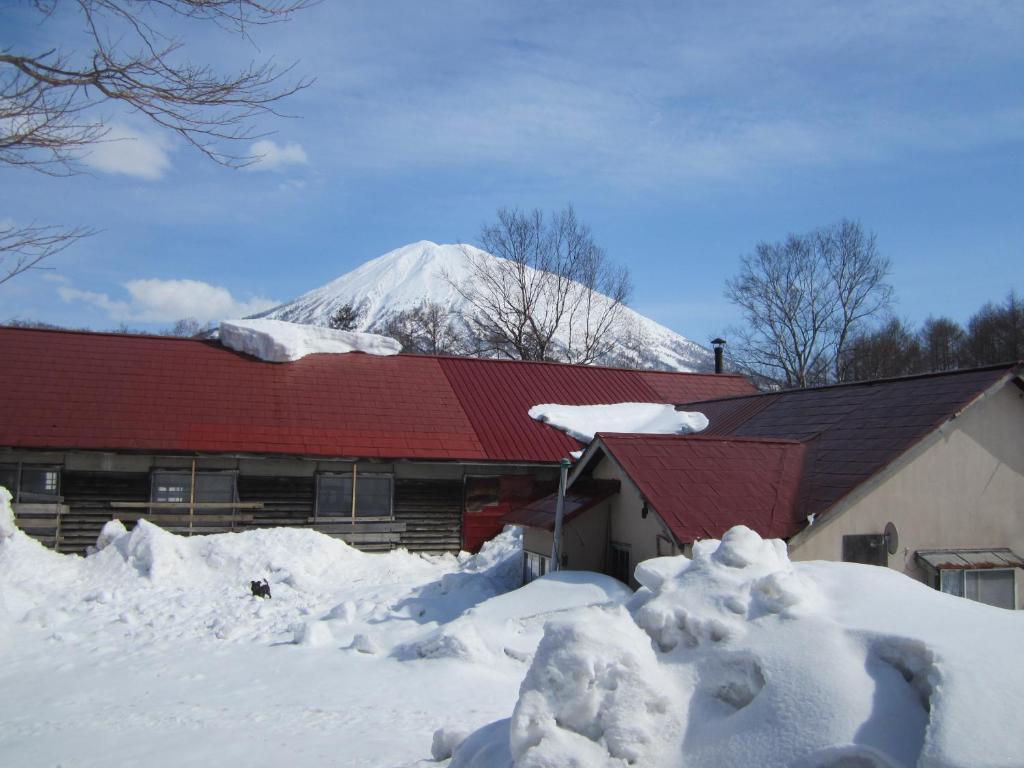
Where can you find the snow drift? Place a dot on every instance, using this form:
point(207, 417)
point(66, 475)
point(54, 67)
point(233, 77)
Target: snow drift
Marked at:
point(740, 657)
point(582, 422)
point(276, 341)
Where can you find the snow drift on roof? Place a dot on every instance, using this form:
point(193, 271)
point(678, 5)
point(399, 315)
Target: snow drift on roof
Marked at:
point(584, 421)
point(277, 341)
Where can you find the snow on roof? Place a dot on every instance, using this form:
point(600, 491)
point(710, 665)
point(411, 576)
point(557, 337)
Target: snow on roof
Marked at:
point(582, 422)
point(277, 341)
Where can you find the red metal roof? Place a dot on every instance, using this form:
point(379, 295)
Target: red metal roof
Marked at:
point(99, 391)
point(703, 486)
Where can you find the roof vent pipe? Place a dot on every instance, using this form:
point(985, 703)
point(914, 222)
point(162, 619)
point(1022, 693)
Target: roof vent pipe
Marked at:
point(719, 345)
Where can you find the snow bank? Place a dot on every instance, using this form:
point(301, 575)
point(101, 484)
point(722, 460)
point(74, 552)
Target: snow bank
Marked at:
point(582, 422)
point(277, 341)
point(740, 657)
point(7, 526)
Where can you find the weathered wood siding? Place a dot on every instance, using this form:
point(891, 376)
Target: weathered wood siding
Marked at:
point(88, 496)
point(427, 513)
point(432, 513)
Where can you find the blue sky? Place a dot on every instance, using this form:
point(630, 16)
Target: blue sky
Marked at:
point(683, 133)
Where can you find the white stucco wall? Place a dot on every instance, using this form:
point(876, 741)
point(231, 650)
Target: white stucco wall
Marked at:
point(627, 527)
point(963, 487)
point(584, 540)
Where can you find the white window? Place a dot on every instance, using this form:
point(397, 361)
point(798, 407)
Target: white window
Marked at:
point(992, 586)
point(534, 566)
point(372, 497)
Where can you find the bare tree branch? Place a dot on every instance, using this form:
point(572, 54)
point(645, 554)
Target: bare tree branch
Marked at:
point(49, 98)
point(23, 248)
point(541, 298)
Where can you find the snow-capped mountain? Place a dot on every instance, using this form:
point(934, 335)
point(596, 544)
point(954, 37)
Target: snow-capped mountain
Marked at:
point(406, 277)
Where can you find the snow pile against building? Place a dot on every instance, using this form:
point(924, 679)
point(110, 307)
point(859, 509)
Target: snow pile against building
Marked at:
point(582, 422)
point(740, 657)
point(277, 341)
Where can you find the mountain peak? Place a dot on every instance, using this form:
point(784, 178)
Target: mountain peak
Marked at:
point(407, 276)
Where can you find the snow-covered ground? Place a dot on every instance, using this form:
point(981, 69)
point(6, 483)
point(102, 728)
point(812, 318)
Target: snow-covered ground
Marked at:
point(152, 651)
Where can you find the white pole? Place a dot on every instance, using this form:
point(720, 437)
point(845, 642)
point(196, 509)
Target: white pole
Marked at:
point(556, 544)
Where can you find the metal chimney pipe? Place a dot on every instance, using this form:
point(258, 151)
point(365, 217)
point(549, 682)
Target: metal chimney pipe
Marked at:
point(719, 345)
point(556, 540)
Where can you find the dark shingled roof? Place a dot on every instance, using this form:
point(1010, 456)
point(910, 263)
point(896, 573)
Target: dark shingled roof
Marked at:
point(853, 430)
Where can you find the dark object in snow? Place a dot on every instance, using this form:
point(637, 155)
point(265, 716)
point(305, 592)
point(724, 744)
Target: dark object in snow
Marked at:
point(260, 588)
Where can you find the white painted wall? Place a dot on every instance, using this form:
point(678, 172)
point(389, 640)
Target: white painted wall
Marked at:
point(963, 487)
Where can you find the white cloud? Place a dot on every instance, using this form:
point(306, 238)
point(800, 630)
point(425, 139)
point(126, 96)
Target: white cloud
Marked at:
point(164, 301)
point(130, 152)
point(272, 157)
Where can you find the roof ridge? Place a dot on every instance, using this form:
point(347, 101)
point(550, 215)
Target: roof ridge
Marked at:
point(702, 438)
point(139, 335)
point(1009, 365)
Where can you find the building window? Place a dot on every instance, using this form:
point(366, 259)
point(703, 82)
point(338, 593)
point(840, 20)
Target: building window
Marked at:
point(620, 563)
point(31, 483)
point(210, 488)
point(372, 497)
point(534, 566)
point(992, 586)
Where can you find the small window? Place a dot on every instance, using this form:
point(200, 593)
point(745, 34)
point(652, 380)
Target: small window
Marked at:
point(210, 487)
point(38, 484)
point(992, 586)
point(372, 497)
point(534, 566)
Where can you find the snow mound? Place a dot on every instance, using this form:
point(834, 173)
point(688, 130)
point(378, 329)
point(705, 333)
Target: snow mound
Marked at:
point(740, 657)
point(582, 422)
point(277, 341)
point(7, 526)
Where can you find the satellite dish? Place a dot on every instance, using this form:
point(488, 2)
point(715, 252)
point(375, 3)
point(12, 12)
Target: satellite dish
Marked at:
point(892, 538)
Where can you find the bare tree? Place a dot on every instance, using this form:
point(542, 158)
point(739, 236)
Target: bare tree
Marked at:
point(49, 98)
point(942, 344)
point(538, 299)
point(429, 329)
point(995, 333)
point(803, 298)
point(894, 349)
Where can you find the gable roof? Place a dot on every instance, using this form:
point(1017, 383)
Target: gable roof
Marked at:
point(855, 430)
point(99, 391)
point(702, 486)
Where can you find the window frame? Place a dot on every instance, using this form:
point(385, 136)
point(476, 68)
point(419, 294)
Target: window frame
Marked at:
point(962, 573)
point(354, 515)
point(20, 496)
point(192, 502)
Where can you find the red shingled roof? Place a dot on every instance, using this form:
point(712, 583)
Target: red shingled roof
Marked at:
point(702, 486)
point(144, 393)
